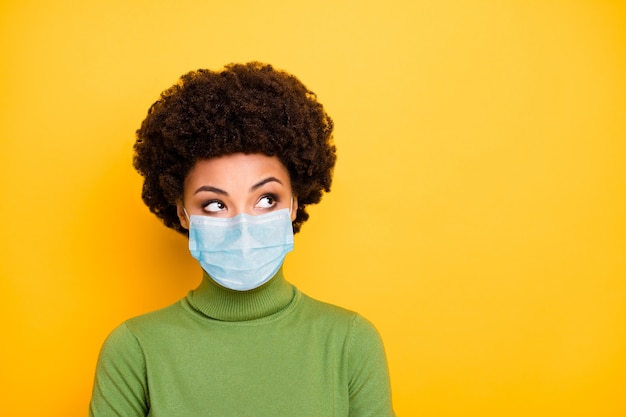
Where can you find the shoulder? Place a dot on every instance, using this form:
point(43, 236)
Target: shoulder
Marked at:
point(325, 311)
point(354, 324)
point(133, 330)
point(362, 345)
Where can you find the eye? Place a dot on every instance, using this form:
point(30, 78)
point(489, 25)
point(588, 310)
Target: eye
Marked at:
point(214, 206)
point(267, 201)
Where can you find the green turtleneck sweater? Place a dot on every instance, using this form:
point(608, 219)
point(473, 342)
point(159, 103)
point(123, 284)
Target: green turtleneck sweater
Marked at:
point(271, 351)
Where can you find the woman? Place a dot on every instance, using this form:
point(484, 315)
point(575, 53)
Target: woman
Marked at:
point(232, 159)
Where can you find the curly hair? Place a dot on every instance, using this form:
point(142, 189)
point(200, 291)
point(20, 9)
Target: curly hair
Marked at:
point(247, 108)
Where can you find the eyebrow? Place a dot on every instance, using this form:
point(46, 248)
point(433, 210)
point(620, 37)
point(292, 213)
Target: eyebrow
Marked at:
point(222, 192)
point(210, 188)
point(265, 181)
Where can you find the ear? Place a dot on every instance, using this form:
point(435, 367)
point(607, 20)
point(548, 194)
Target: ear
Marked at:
point(294, 208)
point(182, 216)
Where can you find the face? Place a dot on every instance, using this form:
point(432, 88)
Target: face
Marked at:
point(234, 184)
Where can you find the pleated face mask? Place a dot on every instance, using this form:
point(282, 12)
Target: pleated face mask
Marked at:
point(241, 252)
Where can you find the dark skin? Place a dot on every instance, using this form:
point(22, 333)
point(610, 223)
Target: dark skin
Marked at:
point(233, 184)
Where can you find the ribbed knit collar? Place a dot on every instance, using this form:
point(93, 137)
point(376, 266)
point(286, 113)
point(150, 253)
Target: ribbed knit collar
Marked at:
point(224, 304)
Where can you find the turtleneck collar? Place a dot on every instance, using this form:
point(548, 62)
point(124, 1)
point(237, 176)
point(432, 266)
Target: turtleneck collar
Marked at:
point(219, 303)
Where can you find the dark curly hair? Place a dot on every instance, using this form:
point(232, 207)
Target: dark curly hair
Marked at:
point(248, 108)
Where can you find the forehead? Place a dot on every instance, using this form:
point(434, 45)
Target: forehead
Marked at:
point(236, 170)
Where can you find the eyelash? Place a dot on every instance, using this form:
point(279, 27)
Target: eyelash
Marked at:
point(272, 197)
point(208, 203)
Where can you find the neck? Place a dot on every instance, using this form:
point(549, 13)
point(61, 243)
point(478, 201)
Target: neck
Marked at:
point(217, 302)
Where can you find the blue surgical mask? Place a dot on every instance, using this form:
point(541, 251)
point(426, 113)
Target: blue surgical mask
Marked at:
point(241, 252)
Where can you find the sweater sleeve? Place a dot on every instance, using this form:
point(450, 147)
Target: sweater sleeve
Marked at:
point(369, 387)
point(120, 388)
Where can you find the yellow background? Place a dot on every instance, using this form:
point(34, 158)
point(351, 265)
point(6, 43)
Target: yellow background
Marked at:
point(478, 215)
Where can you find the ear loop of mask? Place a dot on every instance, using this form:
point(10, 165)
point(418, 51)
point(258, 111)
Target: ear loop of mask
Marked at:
point(290, 209)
